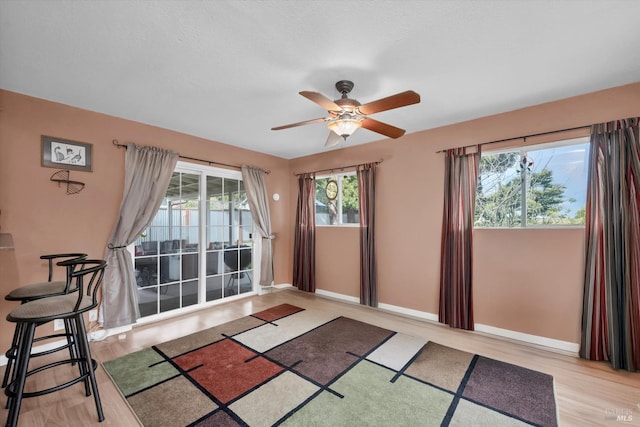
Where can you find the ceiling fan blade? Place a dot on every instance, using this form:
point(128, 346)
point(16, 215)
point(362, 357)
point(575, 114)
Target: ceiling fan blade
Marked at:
point(306, 122)
point(332, 139)
point(321, 100)
point(382, 128)
point(389, 103)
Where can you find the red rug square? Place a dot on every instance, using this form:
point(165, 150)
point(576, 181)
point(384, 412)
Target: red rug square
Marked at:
point(224, 369)
point(277, 312)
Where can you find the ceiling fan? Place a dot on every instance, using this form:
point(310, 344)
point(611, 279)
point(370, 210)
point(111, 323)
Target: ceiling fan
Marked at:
point(346, 114)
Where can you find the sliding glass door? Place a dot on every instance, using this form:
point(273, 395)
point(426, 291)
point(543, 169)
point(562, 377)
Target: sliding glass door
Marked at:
point(198, 248)
point(229, 228)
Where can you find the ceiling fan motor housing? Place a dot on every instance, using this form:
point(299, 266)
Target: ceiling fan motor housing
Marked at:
point(344, 86)
point(348, 105)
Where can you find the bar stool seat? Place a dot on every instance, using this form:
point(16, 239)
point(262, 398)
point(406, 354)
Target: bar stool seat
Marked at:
point(50, 308)
point(36, 290)
point(87, 278)
point(50, 287)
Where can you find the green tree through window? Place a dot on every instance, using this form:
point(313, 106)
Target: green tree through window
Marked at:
point(344, 209)
point(551, 191)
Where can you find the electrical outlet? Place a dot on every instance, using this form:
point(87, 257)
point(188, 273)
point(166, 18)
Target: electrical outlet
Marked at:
point(93, 315)
point(58, 324)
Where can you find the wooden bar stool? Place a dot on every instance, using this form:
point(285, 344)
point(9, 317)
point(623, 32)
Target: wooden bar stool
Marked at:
point(87, 277)
point(42, 290)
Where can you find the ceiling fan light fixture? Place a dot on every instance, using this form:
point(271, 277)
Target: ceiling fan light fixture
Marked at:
point(344, 125)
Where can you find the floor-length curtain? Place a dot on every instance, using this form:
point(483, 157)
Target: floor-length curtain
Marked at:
point(148, 171)
point(461, 177)
point(367, 201)
point(256, 189)
point(611, 305)
point(304, 250)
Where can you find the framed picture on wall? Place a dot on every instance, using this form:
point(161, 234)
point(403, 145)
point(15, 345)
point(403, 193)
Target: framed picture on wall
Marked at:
point(65, 154)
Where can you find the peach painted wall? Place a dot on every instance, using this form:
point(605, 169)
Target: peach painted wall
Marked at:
point(344, 278)
point(43, 219)
point(409, 208)
point(528, 281)
point(536, 287)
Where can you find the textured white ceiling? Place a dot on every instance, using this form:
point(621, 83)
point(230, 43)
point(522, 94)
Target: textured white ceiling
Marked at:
point(230, 70)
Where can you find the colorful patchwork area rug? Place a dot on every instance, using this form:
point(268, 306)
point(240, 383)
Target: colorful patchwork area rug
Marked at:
point(294, 367)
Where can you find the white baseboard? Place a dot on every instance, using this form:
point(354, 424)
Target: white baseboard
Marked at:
point(552, 343)
point(409, 312)
point(567, 346)
point(337, 296)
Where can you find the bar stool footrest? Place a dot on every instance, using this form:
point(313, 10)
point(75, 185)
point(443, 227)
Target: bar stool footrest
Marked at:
point(10, 393)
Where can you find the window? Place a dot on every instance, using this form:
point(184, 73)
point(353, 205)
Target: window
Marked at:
point(342, 209)
point(198, 247)
point(537, 185)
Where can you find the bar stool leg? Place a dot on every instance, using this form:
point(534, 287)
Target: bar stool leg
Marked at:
point(85, 351)
point(11, 354)
point(68, 329)
point(16, 387)
point(74, 351)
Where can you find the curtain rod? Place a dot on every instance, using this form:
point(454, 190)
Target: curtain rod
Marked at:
point(339, 167)
point(210, 162)
point(521, 137)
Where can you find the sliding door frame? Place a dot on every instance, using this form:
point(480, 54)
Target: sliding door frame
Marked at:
point(205, 171)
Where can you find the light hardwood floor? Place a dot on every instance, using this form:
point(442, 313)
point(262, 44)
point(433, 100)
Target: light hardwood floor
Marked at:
point(587, 392)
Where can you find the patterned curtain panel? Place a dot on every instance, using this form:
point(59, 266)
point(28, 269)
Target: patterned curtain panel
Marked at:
point(304, 249)
point(611, 308)
point(461, 178)
point(367, 202)
point(148, 171)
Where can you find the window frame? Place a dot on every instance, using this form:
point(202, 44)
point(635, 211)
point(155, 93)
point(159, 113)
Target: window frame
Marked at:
point(565, 142)
point(339, 177)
